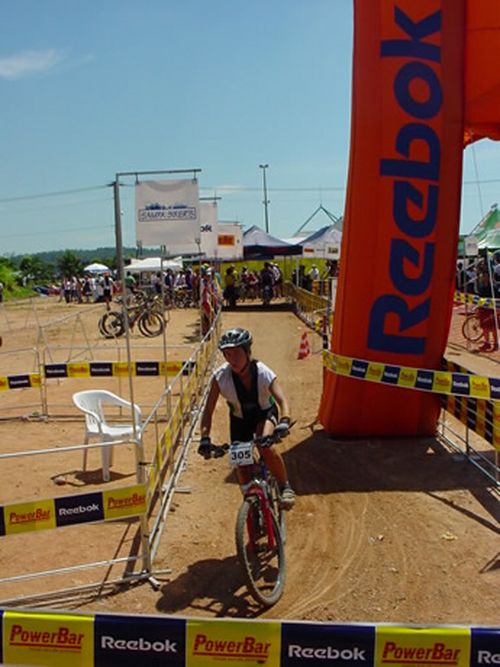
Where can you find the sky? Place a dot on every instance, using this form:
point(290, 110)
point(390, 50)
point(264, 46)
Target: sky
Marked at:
point(95, 88)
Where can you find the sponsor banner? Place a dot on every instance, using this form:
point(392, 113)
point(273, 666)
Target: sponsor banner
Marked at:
point(169, 368)
point(440, 382)
point(79, 370)
point(55, 370)
point(232, 643)
point(146, 368)
point(485, 647)
point(208, 228)
point(128, 501)
point(25, 517)
point(120, 368)
point(229, 240)
point(21, 381)
point(167, 213)
point(101, 369)
point(121, 641)
point(2, 524)
point(47, 639)
point(4, 383)
point(305, 644)
point(83, 508)
point(427, 647)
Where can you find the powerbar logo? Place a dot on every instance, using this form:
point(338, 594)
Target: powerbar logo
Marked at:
point(141, 644)
point(325, 653)
point(436, 654)
point(62, 639)
point(17, 518)
point(249, 648)
point(135, 500)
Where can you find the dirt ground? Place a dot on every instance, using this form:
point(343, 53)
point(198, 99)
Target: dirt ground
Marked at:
point(383, 531)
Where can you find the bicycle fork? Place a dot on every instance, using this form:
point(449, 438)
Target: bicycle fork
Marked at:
point(260, 498)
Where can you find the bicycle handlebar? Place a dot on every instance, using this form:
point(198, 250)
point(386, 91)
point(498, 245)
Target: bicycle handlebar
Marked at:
point(217, 451)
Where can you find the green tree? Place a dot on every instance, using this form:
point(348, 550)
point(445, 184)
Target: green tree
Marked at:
point(34, 269)
point(69, 264)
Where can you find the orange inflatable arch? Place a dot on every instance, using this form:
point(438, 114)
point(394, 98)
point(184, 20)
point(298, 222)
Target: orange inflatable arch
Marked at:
point(425, 82)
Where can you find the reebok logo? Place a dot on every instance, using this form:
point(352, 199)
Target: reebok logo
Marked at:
point(325, 653)
point(79, 509)
point(488, 658)
point(140, 644)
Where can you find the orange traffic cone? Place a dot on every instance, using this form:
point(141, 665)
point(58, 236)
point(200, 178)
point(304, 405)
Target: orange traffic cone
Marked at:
point(304, 349)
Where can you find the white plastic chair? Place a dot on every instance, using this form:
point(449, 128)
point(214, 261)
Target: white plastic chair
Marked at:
point(91, 403)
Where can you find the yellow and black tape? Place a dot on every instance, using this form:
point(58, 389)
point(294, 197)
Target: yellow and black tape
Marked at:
point(20, 381)
point(436, 381)
point(57, 639)
point(69, 510)
point(476, 300)
point(88, 369)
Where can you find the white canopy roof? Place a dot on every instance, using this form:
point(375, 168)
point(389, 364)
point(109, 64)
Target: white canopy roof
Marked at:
point(152, 264)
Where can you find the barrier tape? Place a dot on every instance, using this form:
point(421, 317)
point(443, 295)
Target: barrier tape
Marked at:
point(97, 369)
point(69, 510)
point(476, 300)
point(483, 417)
point(99, 640)
point(440, 382)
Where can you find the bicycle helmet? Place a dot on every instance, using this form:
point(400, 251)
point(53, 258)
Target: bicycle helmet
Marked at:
point(235, 338)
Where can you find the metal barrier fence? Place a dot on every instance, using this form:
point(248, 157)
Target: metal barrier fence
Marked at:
point(159, 445)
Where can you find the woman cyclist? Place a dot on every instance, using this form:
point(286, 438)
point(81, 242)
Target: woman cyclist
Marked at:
point(254, 395)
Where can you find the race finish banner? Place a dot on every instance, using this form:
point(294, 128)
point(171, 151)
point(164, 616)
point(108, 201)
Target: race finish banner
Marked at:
point(168, 214)
point(208, 228)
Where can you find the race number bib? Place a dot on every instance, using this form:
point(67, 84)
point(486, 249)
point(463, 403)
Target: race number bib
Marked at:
point(240, 454)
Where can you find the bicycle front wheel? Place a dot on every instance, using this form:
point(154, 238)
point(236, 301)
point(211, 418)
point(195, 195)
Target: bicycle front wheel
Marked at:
point(472, 329)
point(151, 324)
point(111, 325)
point(261, 552)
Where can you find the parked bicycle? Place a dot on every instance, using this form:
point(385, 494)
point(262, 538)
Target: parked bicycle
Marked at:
point(260, 522)
point(150, 323)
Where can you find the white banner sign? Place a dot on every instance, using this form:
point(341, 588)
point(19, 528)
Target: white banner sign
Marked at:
point(167, 213)
point(229, 240)
point(208, 228)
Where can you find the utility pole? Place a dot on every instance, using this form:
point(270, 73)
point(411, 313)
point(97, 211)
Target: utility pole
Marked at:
point(265, 200)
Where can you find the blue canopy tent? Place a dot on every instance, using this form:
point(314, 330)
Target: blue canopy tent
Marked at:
point(258, 244)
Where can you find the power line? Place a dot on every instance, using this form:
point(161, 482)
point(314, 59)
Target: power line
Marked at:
point(53, 194)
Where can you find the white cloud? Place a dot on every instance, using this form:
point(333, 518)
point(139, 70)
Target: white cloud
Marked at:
point(26, 63)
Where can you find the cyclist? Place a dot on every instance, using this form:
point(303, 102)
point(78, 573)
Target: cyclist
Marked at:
point(254, 395)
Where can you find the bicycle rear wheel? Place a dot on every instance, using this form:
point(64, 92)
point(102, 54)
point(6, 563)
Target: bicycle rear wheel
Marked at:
point(111, 325)
point(151, 324)
point(262, 555)
point(472, 328)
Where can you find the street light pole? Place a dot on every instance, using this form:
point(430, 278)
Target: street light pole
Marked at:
point(266, 200)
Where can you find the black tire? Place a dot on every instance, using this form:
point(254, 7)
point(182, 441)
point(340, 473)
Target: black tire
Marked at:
point(277, 509)
point(151, 324)
point(111, 325)
point(472, 328)
point(264, 565)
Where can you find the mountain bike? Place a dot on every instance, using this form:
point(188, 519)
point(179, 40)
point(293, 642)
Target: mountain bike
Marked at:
point(150, 323)
point(260, 522)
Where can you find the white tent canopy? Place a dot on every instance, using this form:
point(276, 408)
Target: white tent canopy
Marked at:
point(152, 264)
point(325, 243)
point(96, 267)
